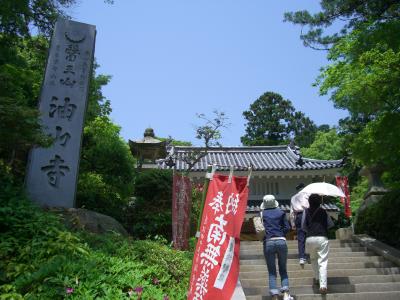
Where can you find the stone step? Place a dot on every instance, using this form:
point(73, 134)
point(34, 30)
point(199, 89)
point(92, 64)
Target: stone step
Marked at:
point(295, 261)
point(259, 246)
point(344, 296)
point(294, 242)
point(331, 273)
point(354, 273)
point(331, 266)
point(294, 251)
point(332, 289)
point(303, 281)
point(295, 255)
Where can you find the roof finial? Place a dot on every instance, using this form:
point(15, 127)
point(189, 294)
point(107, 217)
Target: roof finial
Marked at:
point(149, 132)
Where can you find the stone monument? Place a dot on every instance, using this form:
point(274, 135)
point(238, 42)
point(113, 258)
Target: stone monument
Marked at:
point(376, 189)
point(53, 172)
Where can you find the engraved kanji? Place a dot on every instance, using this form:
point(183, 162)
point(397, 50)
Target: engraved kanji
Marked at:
point(72, 51)
point(63, 111)
point(69, 69)
point(62, 138)
point(68, 81)
point(55, 169)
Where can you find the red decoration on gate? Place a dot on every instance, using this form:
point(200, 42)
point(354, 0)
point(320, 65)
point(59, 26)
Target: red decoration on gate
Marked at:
point(343, 183)
point(181, 201)
point(215, 268)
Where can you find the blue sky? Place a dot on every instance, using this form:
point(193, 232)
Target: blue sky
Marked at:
point(172, 59)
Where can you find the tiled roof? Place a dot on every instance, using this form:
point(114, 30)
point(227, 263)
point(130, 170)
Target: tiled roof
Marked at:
point(260, 158)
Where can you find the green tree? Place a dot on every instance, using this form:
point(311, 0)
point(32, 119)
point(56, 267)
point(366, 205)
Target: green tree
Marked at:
point(152, 205)
point(363, 78)
point(210, 134)
point(18, 18)
point(22, 63)
point(98, 105)
point(21, 69)
point(324, 128)
point(349, 14)
point(363, 75)
point(106, 175)
point(327, 145)
point(272, 120)
point(173, 142)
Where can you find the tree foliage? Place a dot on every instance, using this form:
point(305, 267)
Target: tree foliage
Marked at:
point(22, 62)
point(98, 105)
point(363, 75)
point(272, 120)
point(19, 17)
point(152, 204)
point(103, 186)
point(25, 28)
point(210, 134)
point(363, 78)
point(172, 142)
point(107, 172)
point(327, 145)
point(350, 14)
point(381, 219)
point(41, 259)
point(21, 69)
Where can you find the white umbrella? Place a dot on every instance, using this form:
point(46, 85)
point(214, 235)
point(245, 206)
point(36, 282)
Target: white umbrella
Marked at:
point(323, 189)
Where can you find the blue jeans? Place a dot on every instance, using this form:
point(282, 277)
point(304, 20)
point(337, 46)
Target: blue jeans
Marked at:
point(301, 236)
point(273, 248)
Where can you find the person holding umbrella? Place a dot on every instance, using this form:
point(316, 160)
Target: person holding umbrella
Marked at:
point(298, 203)
point(316, 222)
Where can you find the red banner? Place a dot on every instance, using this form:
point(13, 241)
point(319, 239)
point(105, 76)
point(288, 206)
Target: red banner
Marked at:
point(343, 184)
point(215, 268)
point(181, 202)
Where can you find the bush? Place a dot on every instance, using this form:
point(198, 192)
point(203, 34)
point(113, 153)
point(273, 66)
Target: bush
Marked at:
point(106, 174)
point(41, 259)
point(97, 195)
point(357, 193)
point(152, 212)
point(381, 220)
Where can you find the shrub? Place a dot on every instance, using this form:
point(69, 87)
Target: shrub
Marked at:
point(153, 204)
point(357, 193)
point(41, 259)
point(381, 220)
point(95, 194)
point(106, 174)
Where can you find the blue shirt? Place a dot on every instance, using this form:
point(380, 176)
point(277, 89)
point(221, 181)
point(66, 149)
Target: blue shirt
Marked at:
point(275, 223)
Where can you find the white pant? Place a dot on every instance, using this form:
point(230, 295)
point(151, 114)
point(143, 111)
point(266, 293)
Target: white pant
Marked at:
point(318, 248)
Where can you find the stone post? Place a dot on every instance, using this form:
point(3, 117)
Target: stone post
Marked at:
point(53, 172)
point(376, 189)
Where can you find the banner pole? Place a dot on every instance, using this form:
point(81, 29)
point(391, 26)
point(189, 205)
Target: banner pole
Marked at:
point(203, 199)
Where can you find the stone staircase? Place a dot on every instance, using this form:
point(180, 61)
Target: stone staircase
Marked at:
point(354, 273)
